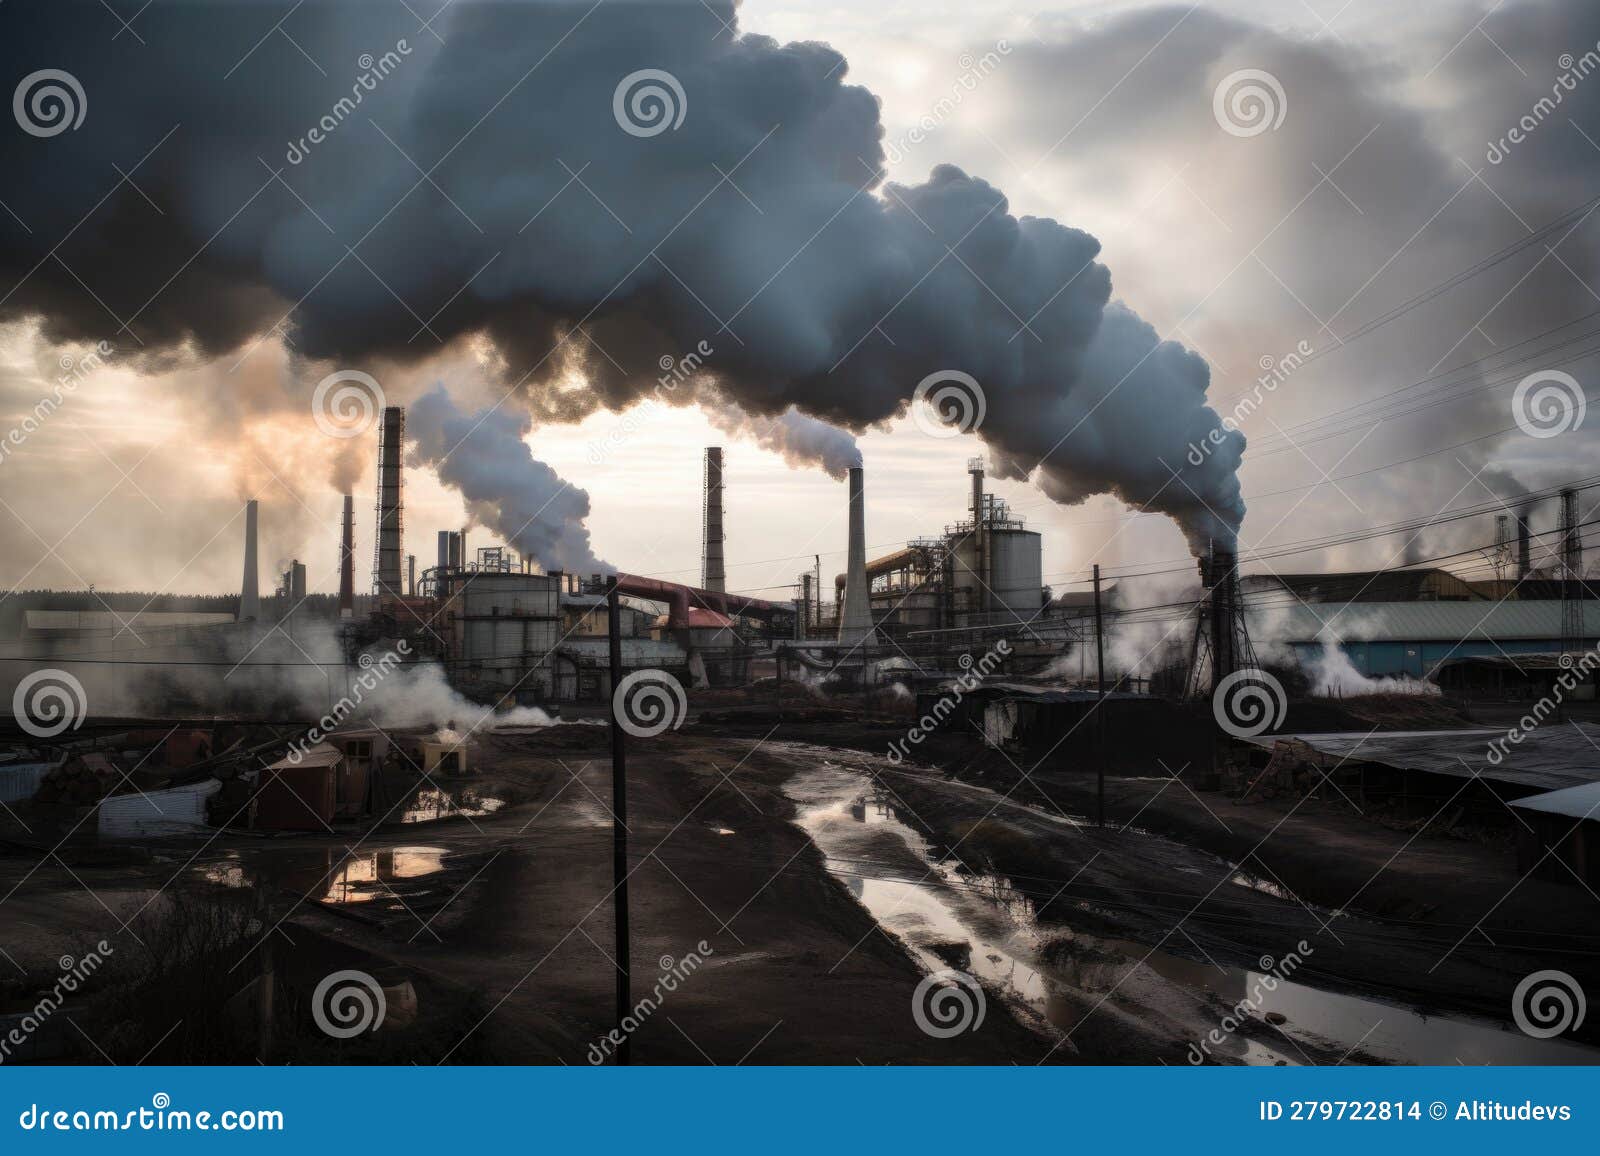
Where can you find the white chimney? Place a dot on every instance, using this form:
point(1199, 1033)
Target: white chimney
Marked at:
point(855, 618)
point(250, 592)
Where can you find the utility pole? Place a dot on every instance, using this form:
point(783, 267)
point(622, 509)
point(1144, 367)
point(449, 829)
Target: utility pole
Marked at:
point(1099, 720)
point(619, 818)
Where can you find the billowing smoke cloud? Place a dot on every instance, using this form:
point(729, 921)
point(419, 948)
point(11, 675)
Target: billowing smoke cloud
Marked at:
point(495, 181)
point(484, 456)
point(802, 440)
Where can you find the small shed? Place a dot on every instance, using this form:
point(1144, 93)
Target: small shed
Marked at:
point(299, 794)
point(1562, 832)
point(363, 751)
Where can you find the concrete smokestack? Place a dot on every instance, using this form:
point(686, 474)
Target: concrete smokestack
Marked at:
point(855, 617)
point(347, 560)
point(387, 554)
point(713, 575)
point(1524, 547)
point(444, 549)
point(250, 591)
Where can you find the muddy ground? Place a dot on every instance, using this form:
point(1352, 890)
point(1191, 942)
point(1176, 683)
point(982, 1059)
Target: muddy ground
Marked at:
point(825, 883)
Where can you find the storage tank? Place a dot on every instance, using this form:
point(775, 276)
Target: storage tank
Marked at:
point(1016, 572)
point(507, 623)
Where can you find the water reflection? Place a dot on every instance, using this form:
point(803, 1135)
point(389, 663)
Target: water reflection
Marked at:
point(954, 915)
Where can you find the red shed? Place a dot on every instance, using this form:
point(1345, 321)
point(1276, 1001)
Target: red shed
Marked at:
point(299, 795)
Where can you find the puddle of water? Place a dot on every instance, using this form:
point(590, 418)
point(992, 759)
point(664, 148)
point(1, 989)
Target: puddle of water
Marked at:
point(980, 924)
point(430, 803)
point(333, 875)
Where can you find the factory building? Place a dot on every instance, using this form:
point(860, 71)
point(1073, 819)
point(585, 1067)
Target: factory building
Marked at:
point(1414, 638)
point(983, 571)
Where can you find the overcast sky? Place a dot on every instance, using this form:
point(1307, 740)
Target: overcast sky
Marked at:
point(1384, 170)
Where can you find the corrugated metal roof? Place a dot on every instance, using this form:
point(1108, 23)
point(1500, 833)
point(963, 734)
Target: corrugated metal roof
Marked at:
point(321, 755)
point(1422, 621)
point(1549, 758)
point(154, 813)
point(1574, 802)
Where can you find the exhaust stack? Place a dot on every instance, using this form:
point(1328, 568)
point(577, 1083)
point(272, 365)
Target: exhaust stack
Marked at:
point(713, 575)
point(347, 560)
point(250, 591)
point(855, 617)
point(387, 559)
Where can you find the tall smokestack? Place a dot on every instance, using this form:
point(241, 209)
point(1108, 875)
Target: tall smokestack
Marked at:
point(347, 560)
point(1524, 548)
point(855, 618)
point(444, 549)
point(250, 591)
point(386, 578)
point(980, 537)
point(713, 576)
